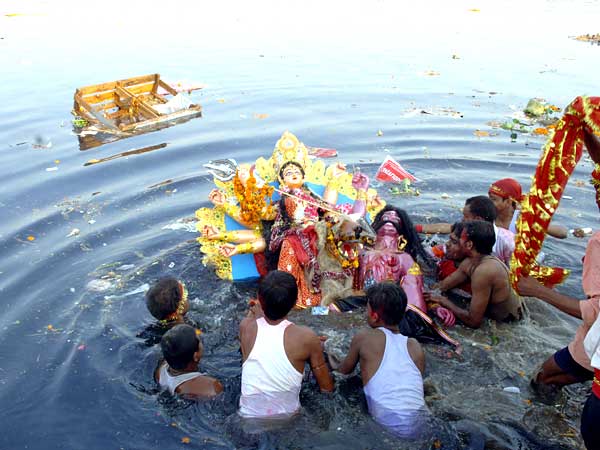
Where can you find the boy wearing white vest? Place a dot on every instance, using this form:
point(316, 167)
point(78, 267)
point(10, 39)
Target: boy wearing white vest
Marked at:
point(274, 352)
point(391, 364)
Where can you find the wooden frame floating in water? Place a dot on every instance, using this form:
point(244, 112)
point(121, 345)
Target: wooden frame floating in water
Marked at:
point(133, 104)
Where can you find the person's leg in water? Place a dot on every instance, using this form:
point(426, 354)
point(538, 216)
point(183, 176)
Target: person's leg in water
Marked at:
point(561, 370)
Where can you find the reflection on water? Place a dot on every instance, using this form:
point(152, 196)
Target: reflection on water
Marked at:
point(76, 353)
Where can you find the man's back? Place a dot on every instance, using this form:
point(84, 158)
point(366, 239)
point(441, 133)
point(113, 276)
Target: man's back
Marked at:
point(270, 381)
point(391, 366)
point(274, 356)
point(493, 275)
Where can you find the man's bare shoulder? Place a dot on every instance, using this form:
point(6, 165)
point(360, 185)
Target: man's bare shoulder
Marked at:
point(368, 336)
point(202, 387)
point(247, 323)
point(491, 268)
point(300, 332)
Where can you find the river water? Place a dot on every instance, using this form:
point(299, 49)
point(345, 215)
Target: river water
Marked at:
point(369, 79)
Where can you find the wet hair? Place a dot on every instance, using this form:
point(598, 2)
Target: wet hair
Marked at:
point(290, 163)
point(278, 293)
point(179, 345)
point(388, 300)
point(481, 233)
point(482, 206)
point(414, 247)
point(162, 298)
point(457, 228)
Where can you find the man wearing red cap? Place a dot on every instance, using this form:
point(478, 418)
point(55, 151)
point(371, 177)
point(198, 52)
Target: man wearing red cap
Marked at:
point(506, 194)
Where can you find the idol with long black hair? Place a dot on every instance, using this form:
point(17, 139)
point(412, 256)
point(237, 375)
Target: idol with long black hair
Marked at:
point(405, 228)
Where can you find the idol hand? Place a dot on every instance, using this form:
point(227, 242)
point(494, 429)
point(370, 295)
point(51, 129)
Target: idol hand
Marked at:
point(360, 181)
point(217, 197)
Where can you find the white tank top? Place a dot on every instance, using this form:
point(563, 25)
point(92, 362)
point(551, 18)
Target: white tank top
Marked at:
point(270, 384)
point(167, 381)
point(513, 223)
point(395, 393)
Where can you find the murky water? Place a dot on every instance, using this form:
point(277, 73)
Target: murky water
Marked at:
point(76, 341)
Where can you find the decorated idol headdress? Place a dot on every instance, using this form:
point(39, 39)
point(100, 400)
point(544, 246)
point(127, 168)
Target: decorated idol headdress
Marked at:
point(289, 149)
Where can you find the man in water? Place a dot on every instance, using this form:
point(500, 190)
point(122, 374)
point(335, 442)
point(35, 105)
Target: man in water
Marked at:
point(274, 352)
point(480, 207)
point(182, 350)
point(490, 286)
point(506, 194)
point(391, 364)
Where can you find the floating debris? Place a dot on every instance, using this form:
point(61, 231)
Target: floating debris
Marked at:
point(512, 390)
point(592, 38)
point(74, 232)
point(131, 106)
point(138, 151)
point(99, 285)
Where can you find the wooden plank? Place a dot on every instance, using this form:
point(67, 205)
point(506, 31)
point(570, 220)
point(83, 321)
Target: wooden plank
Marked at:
point(167, 88)
point(99, 98)
point(155, 86)
point(145, 88)
point(96, 115)
point(97, 88)
point(118, 114)
point(144, 108)
point(136, 80)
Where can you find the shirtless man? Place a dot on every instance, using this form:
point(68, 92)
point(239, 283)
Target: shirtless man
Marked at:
point(491, 292)
point(274, 352)
point(480, 207)
point(182, 350)
point(391, 365)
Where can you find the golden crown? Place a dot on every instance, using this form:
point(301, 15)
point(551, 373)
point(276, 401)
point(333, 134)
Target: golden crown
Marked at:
point(289, 148)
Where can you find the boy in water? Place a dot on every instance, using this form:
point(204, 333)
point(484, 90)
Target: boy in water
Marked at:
point(167, 300)
point(391, 364)
point(182, 350)
point(274, 352)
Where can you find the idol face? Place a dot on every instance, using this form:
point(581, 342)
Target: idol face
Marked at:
point(292, 176)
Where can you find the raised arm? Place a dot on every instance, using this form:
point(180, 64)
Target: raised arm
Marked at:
point(360, 182)
point(557, 231)
point(433, 228)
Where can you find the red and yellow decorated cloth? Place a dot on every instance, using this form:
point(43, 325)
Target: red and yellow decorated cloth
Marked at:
point(559, 157)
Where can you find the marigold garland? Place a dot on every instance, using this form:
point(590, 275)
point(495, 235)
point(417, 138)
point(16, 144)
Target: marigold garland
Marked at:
point(253, 199)
point(560, 155)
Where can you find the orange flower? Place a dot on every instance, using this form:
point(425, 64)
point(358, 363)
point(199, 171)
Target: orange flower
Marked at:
point(540, 130)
